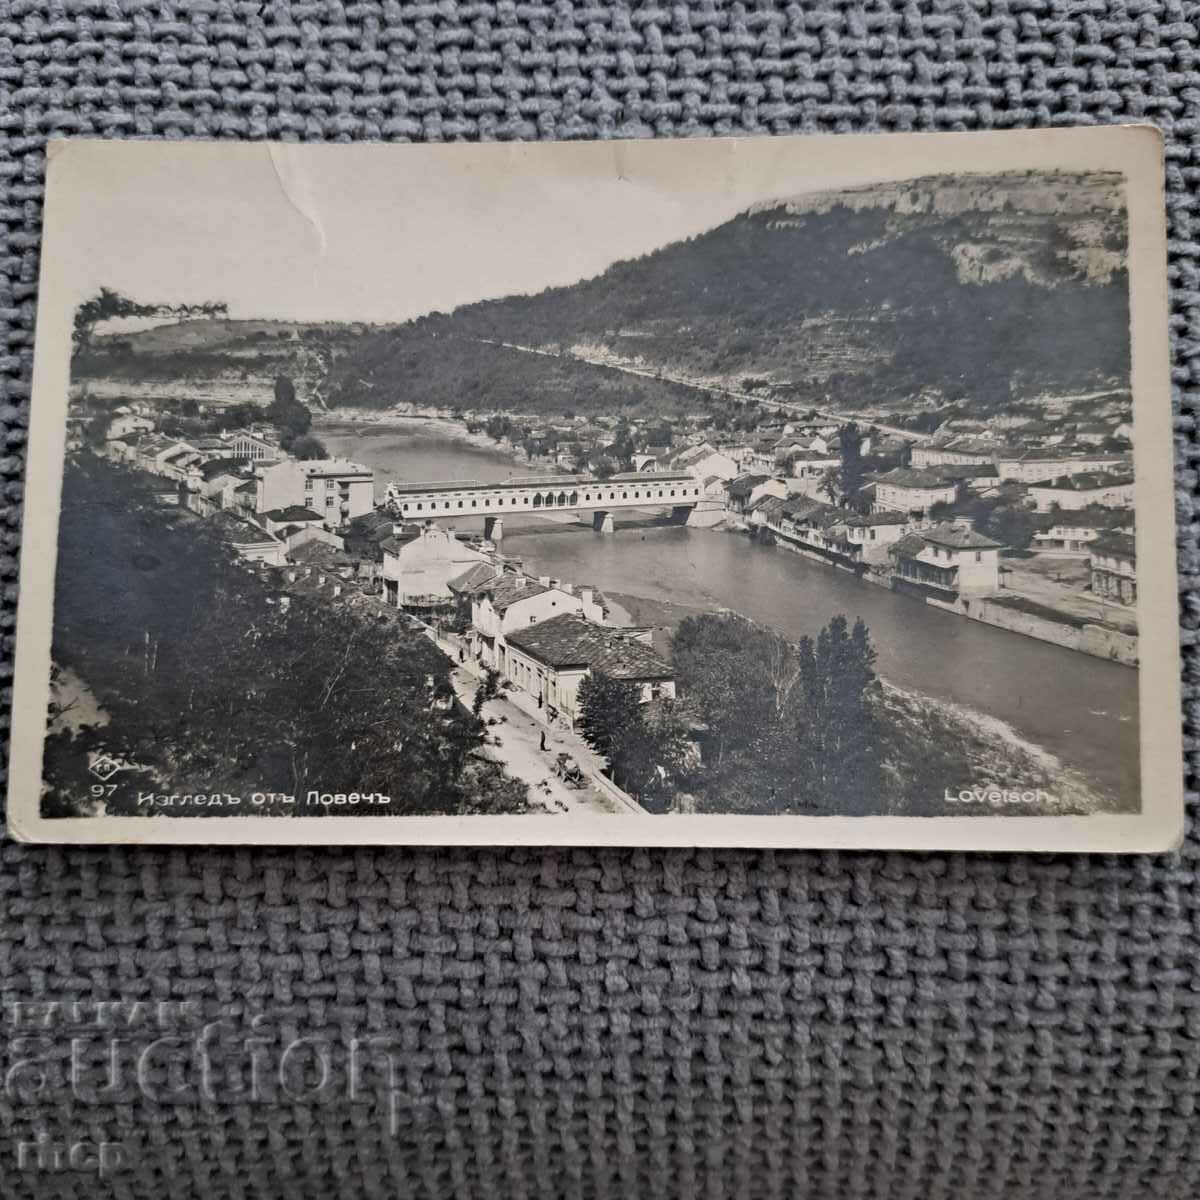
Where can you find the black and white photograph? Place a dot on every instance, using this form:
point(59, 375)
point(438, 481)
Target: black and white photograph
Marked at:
point(792, 491)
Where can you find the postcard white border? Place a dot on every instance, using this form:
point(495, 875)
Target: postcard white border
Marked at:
point(1135, 150)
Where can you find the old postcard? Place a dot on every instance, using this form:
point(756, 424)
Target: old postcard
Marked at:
point(761, 492)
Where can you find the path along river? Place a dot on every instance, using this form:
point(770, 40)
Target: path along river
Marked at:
point(1082, 709)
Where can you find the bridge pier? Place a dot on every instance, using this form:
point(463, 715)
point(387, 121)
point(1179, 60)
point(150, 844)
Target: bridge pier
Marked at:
point(493, 528)
point(602, 522)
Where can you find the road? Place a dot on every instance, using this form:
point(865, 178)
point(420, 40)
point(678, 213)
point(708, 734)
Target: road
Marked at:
point(780, 406)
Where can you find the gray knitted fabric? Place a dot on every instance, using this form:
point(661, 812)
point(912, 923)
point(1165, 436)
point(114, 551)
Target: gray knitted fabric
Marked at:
point(577, 1023)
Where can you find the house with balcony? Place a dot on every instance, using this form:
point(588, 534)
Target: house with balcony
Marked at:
point(946, 560)
point(419, 561)
point(1113, 562)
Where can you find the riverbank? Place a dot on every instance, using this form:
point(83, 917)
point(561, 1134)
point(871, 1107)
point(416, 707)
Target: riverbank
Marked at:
point(370, 422)
point(928, 737)
point(1072, 627)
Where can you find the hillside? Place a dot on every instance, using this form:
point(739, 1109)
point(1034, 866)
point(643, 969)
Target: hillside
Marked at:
point(979, 290)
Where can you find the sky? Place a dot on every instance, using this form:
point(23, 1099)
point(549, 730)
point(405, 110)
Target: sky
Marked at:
point(387, 233)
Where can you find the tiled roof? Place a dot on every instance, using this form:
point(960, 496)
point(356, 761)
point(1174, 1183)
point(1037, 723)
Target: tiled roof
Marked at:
point(293, 512)
point(947, 535)
point(743, 485)
point(570, 641)
point(220, 466)
point(475, 576)
point(914, 477)
point(958, 537)
point(508, 589)
point(879, 518)
point(1089, 481)
point(909, 546)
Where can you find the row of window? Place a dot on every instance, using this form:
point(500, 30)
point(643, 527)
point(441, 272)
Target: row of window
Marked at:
point(550, 501)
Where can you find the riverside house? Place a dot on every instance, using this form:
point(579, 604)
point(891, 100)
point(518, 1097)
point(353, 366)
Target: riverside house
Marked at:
point(946, 560)
point(551, 659)
point(1113, 561)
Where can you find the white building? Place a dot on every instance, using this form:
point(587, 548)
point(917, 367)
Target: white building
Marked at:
point(550, 659)
point(511, 601)
point(419, 563)
point(947, 560)
point(913, 490)
point(1037, 466)
point(336, 488)
point(1083, 491)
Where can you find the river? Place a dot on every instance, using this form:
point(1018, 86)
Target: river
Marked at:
point(1082, 709)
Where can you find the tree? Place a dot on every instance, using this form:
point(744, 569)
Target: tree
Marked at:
point(210, 686)
point(108, 305)
point(831, 486)
point(488, 689)
point(837, 735)
point(285, 392)
point(608, 709)
point(287, 414)
point(850, 474)
point(307, 447)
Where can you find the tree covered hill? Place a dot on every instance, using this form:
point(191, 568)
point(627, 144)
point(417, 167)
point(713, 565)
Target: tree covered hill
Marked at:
point(978, 287)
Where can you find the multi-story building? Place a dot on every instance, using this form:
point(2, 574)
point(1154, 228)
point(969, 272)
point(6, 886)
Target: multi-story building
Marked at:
point(418, 564)
point(956, 452)
point(1036, 466)
point(1067, 538)
point(1083, 491)
point(509, 601)
point(336, 488)
point(913, 490)
point(1113, 561)
point(946, 560)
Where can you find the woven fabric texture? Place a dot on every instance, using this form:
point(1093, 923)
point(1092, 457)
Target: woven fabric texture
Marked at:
point(575, 1023)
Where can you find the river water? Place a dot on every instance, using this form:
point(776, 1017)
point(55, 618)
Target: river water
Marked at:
point(1082, 709)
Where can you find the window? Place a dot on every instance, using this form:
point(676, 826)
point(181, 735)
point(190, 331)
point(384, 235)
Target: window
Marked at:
point(330, 485)
point(330, 501)
point(308, 485)
point(872, 535)
point(979, 556)
point(460, 504)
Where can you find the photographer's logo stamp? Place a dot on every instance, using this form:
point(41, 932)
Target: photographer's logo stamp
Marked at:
point(104, 765)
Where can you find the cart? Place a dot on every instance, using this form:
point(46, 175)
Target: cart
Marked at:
point(569, 771)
